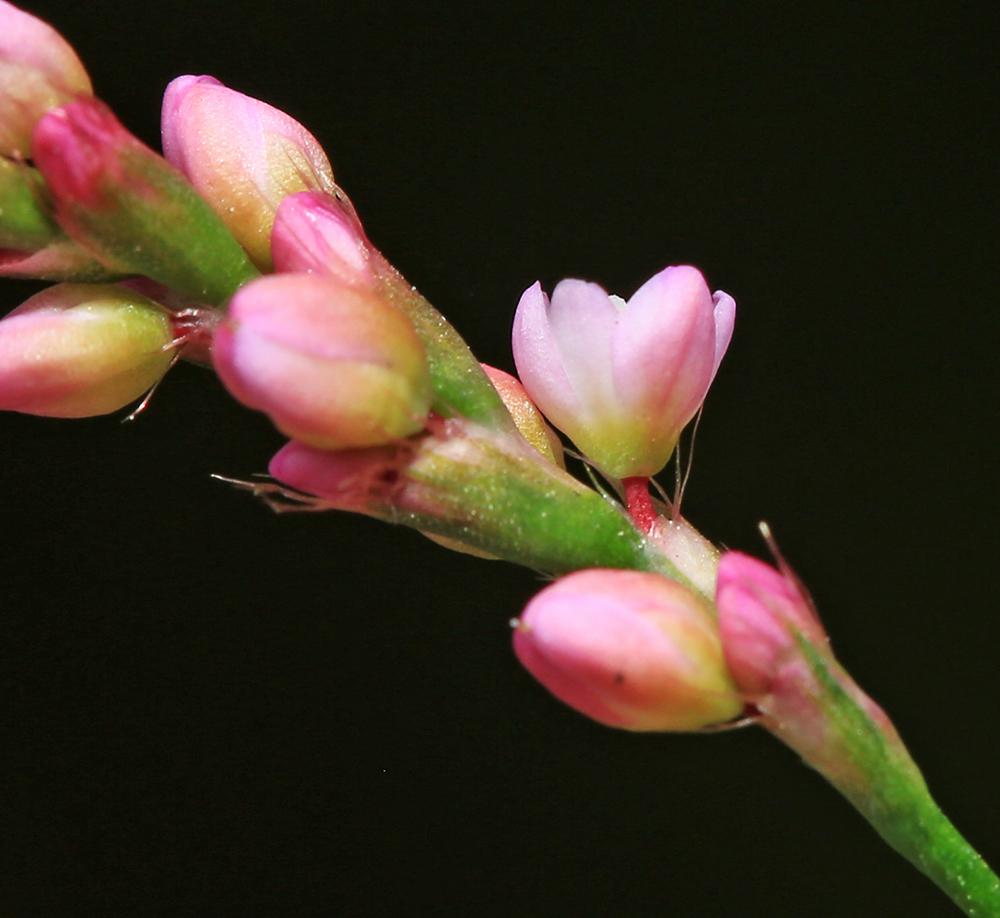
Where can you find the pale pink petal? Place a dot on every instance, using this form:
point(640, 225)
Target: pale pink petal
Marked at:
point(583, 319)
point(664, 345)
point(725, 319)
point(539, 360)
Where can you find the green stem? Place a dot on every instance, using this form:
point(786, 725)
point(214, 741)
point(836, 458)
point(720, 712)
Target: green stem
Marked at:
point(842, 733)
point(496, 493)
point(461, 387)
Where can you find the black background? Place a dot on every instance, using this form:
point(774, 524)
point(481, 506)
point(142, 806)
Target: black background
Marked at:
point(210, 710)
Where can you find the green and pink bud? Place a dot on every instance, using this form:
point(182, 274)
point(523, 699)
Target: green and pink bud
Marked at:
point(628, 649)
point(26, 220)
point(130, 208)
point(78, 350)
point(243, 155)
point(623, 379)
point(32, 244)
point(318, 233)
point(765, 617)
point(39, 70)
point(330, 363)
point(780, 657)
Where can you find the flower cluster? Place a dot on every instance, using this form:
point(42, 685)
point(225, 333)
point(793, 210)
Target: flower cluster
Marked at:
point(236, 248)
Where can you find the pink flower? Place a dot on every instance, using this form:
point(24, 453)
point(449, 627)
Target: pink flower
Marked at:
point(623, 379)
point(38, 71)
point(762, 616)
point(628, 649)
point(77, 350)
point(331, 364)
point(243, 155)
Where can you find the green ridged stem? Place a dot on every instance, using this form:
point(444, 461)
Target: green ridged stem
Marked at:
point(460, 385)
point(496, 493)
point(862, 756)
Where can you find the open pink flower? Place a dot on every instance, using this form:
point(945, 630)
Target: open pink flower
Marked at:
point(628, 649)
point(623, 379)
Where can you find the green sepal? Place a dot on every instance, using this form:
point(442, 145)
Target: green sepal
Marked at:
point(26, 219)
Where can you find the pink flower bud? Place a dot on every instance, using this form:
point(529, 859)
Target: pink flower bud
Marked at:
point(77, 350)
point(243, 155)
point(331, 364)
point(350, 479)
point(38, 71)
point(628, 649)
point(763, 614)
point(623, 379)
point(318, 234)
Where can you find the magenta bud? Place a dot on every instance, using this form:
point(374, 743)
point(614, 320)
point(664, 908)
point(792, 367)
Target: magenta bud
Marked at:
point(78, 350)
point(331, 364)
point(243, 155)
point(38, 71)
point(623, 379)
point(764, 616)
point(628, 649)
point(133, 210)
point(350, 479)
point(318, 234)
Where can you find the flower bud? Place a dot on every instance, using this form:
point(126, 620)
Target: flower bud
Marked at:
point(623, 379)
point(77, 350)
point(243, 155)
point(131, 208)
point(527, 418)
point(331, 364)
point(38, 71)
point(628, 649)
point(763, 616)
point(349, 479)
point(318, 234)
